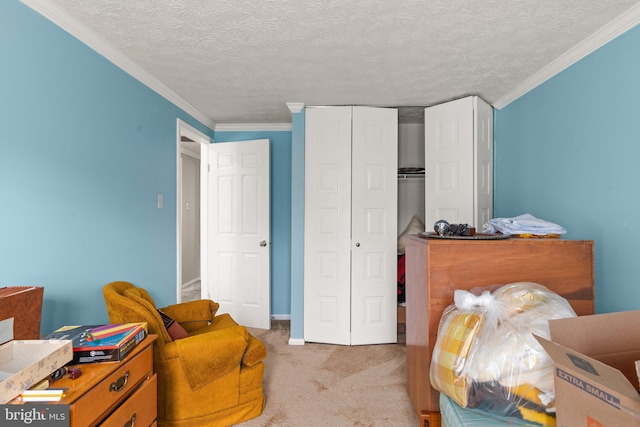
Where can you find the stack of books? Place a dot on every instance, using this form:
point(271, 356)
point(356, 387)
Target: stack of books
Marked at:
point(101, 343)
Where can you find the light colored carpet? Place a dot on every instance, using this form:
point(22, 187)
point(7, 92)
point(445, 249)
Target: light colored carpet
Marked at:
point(191, 291)
point(331, 385)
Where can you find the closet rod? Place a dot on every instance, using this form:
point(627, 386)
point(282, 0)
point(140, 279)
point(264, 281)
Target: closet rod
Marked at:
point(410, 175)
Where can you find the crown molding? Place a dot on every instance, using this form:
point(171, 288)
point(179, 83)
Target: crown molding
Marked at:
point(252, 127)
point(62, 19)
point(604, 35)
point(295, 107)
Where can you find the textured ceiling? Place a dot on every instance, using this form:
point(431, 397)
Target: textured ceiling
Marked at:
point(241, 61)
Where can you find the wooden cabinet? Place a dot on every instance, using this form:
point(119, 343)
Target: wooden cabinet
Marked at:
point(436, 268)
point(350, 244)
point(458, 153)
point(114, 393)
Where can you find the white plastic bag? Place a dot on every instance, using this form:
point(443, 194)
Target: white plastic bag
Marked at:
point(486, 356)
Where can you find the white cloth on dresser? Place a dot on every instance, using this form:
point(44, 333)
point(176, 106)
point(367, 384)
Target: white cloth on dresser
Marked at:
point(523, 224)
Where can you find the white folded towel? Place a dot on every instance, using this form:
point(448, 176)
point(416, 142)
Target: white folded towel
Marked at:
point(523, 224)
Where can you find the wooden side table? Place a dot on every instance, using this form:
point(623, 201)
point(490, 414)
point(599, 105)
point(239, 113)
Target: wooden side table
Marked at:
point(114, 393)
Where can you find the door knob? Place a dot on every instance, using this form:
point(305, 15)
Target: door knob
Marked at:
point(357, 245)
point(263, 243)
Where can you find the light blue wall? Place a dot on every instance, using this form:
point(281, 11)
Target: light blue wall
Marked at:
point(297, 225)
point(280, 145)
point(568, 152)
point(84, 151)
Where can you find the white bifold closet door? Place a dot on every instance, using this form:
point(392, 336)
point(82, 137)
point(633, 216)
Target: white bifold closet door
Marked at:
point(459, 162)
point(350, 277)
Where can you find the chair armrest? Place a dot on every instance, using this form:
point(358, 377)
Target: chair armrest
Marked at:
point(192, 315)
point(256, 351)
point(206, 357)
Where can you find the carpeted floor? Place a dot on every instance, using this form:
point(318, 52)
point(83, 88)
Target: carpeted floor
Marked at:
point(190, 291)
point(330, 385)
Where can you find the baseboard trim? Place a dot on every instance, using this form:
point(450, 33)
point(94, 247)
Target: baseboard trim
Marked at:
point(280, 317)
point(292, 341)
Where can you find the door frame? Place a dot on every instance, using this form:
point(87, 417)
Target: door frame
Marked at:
point(184, 129)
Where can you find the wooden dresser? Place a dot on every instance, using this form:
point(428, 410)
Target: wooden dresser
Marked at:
point(435, 268)
point(114, 393)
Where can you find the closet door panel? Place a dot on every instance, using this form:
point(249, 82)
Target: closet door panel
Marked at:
point(449, 162)
point(327, 262)
point(373, 226)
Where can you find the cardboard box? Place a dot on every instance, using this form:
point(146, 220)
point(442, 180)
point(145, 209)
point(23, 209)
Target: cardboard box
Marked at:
point(595, 369)
point(101, 343)
point(24, 363)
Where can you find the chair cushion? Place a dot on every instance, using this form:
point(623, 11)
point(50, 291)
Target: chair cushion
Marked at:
point(224, 351)
point(174, 329)
point(192, 315)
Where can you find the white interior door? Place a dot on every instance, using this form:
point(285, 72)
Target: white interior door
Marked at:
point(374, 220)
point(327, 245)
point(449, 163)
point(239, 230)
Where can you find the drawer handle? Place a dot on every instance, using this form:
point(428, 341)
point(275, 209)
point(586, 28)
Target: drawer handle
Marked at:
point(131, 422)
point(119, 383)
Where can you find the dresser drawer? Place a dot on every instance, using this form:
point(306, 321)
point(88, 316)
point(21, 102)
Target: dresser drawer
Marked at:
point(112, 390)
point(139, 409)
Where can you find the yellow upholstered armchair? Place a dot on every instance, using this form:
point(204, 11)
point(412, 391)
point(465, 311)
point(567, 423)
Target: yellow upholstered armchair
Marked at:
point(210, 372)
